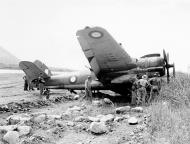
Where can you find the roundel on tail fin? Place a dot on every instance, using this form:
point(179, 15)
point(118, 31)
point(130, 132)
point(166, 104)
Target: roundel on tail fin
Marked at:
point(96, 34)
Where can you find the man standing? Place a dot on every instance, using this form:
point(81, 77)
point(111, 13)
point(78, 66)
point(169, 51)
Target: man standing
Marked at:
point(141, 91)
point(134, 91)
point(25, 83)
point(88, 90)
point(155, 83)
point(41, 82)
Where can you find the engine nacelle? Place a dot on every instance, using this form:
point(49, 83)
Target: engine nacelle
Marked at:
point(149, 62)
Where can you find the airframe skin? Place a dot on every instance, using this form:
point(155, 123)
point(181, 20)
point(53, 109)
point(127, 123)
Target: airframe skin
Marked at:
point(112, 68)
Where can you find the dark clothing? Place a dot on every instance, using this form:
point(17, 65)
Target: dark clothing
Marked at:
point(88, 90)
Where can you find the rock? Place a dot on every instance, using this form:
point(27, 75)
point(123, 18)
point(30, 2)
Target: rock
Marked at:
point(81, 119)
point(40, 118)
point(96, 103)
point(132, 121)
point(107, 118)
point(5, 129)
point(70, 123)
point(12, 137)
point(123, 109)
point(118, 118)
point(98, 127)
point(75, 108)
point(24, 130)
point(76, 97)
point(93, 119)
point(137, 109)
point(21, 118)
point(54, 117)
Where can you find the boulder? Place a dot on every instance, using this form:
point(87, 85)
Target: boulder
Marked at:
point(107, 118)
point(81, 119)
point(21, 118)
point(118, 118)
point(70, 123)
point(54, 117)
point(12, 137)
point(123, 109)
point(98, 128)
point(133, 121)
point(76, 97)
point(96, 103)
point(93, 119)
point(40, 118)
point(6, 128)
point(24, 130)
point(137, 109)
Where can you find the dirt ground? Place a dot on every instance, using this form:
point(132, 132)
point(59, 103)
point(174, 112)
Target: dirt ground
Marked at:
point(70, 131)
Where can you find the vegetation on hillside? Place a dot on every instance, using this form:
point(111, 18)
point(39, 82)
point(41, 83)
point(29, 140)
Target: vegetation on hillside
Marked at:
point(170, 113)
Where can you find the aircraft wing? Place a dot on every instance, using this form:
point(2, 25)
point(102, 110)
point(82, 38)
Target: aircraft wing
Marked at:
point(31, 70)
point(104, 54)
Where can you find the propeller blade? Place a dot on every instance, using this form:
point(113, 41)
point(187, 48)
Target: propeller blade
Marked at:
point(168, 58)
point(174, 70)
point(165, 57)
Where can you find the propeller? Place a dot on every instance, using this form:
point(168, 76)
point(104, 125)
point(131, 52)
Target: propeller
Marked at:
point(167, 66)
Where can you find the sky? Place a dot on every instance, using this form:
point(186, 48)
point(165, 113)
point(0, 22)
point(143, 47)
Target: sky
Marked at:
point(46, 29)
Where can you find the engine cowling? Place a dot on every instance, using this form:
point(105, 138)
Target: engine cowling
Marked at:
point(149, 62)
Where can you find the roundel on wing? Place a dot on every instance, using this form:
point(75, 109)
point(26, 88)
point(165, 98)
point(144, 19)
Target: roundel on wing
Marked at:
point(73, 79)
point(95, 34)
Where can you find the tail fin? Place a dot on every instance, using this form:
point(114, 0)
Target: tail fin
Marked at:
point(32, 71)
point(43, 67)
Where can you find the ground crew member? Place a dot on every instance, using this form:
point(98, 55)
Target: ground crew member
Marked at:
point(88, 90)
point(141, 91)
point(41, 82)
point(155, 83)
point(134, 91)
point(25, 83)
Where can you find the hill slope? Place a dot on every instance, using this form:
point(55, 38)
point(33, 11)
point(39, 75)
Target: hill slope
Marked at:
point(7, 60)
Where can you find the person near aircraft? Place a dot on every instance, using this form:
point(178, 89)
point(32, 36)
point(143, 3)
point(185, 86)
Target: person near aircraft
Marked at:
point(88, 90)
point(41, 82)
point(134, 91)
point(155, 83)
point(141, 91)
point(25, 83)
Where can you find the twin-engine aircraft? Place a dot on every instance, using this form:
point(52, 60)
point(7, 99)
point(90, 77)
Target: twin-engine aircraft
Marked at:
point(112, 68)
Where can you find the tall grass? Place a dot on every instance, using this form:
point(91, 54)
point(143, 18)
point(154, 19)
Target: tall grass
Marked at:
point(170, 114)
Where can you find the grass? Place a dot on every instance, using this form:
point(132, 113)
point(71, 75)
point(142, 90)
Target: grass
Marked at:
point(170, 113)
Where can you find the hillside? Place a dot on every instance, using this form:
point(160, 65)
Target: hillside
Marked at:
point(8, 60)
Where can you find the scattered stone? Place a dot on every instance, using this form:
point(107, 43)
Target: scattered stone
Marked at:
point(40, 118)
point(12, 137)
point(123, 109)
point(24, 130)
point(107, 118)
point(93, 119)
point(6, 128)
point(98, 127)
point(70, 123)
point(21, 118)
point(96, 103)
point(54, 117)
point(132, 121)
point(118, 119)
point(76, 97)
point(137, 109)
point(81, 119)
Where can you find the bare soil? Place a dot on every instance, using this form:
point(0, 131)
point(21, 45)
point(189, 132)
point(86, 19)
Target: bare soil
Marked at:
point(11, 93)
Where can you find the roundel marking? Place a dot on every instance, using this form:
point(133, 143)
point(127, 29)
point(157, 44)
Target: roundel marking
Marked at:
point(96, 34)
point(73, 79)
point(47, 71)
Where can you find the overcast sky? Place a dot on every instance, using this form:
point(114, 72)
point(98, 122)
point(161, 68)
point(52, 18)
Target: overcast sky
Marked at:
point(46, 29)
